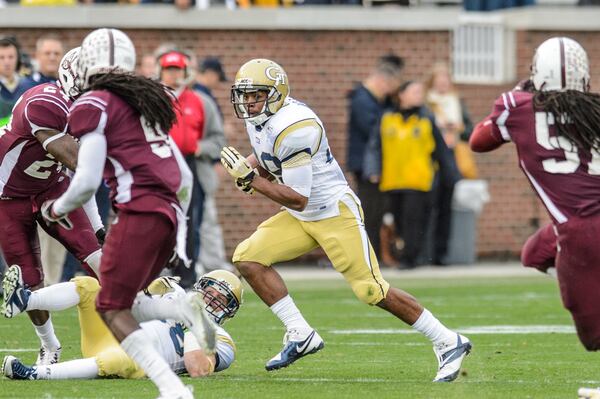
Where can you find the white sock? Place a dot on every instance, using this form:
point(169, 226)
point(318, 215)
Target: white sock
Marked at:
point(289, 314)
point(433, 329)
point(140, 348)
point(55, 297)
point(80, 368)
point(46, 335)
point(147, 308)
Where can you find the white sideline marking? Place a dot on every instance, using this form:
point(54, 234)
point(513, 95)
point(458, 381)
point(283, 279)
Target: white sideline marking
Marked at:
point(535, 329)
point(10, 350)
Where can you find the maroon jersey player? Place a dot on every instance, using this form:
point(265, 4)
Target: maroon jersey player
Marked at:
point(31, 146)
point(557, 144)
point(120, 121)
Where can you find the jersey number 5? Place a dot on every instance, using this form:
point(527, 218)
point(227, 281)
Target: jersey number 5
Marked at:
point(572, 160)
point(159, 141)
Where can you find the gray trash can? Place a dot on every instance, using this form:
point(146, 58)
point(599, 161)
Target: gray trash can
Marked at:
point(462, 245)
point(467, 204)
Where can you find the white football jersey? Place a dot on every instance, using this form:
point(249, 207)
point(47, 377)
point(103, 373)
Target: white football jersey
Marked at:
point(295, 128)
point(170, 340)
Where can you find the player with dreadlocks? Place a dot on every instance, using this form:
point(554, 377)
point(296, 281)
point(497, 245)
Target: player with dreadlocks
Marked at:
point(554, 121)
point(121, 120)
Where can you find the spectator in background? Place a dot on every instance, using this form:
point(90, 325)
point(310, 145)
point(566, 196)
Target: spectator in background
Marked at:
point(48, 53)
point(455, 124)
point(401, 160)
point(210, 76)
point(12, 85)
point(187, 133)
point(367, 102)
point(148, 66)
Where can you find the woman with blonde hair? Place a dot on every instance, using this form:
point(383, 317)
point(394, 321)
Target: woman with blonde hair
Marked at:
point(453, 120)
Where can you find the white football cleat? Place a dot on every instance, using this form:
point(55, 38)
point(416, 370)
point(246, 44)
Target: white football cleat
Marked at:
point(195, 318)
point(47, 357)
point(14, 369)
point(588, 393)
point(296, 344)
point(450, 358)
point(15, 294)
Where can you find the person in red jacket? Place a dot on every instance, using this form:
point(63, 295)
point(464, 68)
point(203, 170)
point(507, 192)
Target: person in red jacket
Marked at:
point(187, 133)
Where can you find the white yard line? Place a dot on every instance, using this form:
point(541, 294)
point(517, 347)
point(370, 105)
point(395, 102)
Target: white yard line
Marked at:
point(492, 269)
point(501, 330)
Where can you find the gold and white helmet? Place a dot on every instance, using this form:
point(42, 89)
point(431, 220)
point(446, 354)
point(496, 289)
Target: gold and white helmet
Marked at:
point(227, 284)
point(259, 75)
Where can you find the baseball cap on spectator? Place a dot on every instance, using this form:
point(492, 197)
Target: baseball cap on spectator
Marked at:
point(213, 64)
point(173, 59)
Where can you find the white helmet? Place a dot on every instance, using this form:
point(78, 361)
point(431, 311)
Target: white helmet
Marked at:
point(105, 50)
point(67, 73)
point(560, 64)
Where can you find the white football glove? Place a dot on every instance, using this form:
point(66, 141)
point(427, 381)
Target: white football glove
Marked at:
point(236, 165)
point(51, 218)
point(162, 285)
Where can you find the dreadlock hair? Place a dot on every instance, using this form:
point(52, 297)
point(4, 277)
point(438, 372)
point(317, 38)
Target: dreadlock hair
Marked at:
point(576, 115)
point(148, 97)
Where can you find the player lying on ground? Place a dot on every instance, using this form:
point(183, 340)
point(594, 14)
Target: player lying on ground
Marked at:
point(291, 147)
point(34, 151)
point(102, 354)
point(554, 122)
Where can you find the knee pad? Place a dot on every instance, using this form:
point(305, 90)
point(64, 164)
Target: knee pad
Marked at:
point(113, 361)
point(370, 292)
point(87, 288)
point(240, 250)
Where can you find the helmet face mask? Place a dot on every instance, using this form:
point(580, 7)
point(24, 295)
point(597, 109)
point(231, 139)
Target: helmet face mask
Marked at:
point(259, 75)
point(221, 291)
point(241, 105)
point(560, 64)
point(103, 51)
point(67, 74)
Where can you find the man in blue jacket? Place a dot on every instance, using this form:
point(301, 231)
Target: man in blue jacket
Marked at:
point(367, 102)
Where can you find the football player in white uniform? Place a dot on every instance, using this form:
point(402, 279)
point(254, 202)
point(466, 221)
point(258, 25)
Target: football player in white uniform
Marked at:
point(102, 354)
point(292, 165)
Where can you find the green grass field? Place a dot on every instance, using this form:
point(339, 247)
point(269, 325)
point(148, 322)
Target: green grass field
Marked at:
point(367, 364)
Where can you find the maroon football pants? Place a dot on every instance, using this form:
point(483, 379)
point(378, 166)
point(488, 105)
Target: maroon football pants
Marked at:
point(18, 233)
point(578, 268)
point(136, 249)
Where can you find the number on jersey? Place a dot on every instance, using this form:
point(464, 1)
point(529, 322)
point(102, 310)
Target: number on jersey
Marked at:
point(39, 169)
point(572, 159)
point(159, 141)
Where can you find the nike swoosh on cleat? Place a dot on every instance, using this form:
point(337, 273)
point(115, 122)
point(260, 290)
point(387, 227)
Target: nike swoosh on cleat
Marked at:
point(456, 353)
point(301, 348)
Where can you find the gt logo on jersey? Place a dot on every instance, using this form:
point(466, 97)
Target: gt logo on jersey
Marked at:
point(275, 74)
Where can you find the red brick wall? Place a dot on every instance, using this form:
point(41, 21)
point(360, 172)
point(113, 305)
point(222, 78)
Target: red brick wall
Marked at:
point(322, 67)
